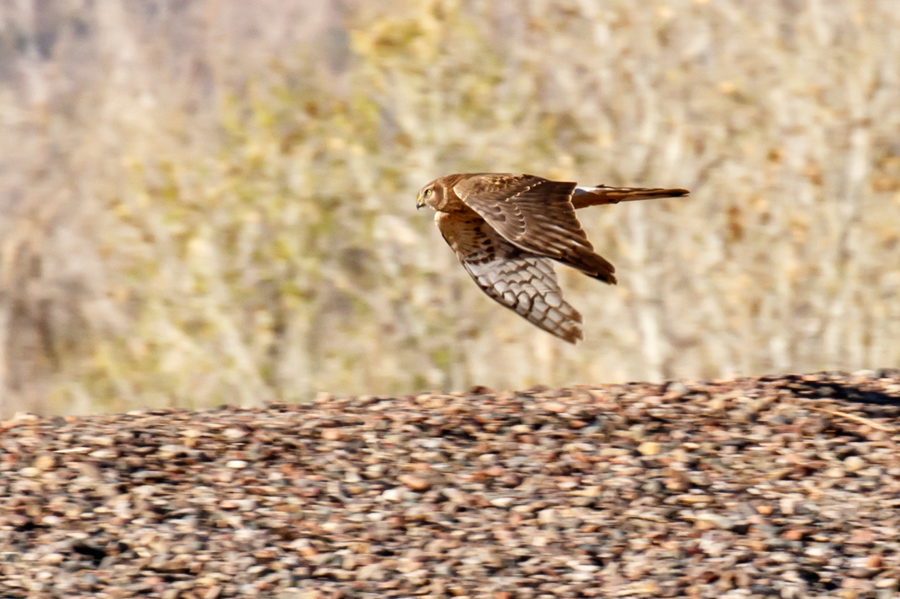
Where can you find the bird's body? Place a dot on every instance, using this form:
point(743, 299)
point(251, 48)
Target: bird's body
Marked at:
point(507, 228)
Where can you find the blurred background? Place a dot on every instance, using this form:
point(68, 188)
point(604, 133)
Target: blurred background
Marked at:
point(214, 201)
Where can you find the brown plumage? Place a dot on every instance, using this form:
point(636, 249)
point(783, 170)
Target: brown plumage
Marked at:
point(506, 228)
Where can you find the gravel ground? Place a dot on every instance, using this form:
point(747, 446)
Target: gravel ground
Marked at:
point(772, 487)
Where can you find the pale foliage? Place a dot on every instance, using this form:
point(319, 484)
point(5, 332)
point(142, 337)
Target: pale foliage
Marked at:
point(213, 202)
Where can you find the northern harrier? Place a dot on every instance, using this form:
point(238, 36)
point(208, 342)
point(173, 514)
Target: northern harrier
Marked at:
point(506, 229)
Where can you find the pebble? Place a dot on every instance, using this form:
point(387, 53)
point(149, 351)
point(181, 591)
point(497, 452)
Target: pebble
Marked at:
point(102, 454)
point(45, 462)
point(235, 434)
point(331, 434)
point(414, 482)
point(649, 448)
point(713, 520)
point(213, 592)
point(547, 516)
point(53, 558)
point(676, 390)
point(712, 488)
point(854, 463)
point(396, 494)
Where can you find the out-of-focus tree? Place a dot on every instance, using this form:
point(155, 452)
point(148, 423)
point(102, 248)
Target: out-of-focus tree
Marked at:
point(214, 201)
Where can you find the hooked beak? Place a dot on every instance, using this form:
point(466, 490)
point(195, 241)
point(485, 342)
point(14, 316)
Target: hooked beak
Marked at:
point(419, 202)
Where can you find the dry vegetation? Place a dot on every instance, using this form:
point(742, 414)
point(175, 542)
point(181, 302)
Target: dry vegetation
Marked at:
point(214, 201)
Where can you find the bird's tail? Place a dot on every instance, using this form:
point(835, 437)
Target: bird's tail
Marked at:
point(585, 196)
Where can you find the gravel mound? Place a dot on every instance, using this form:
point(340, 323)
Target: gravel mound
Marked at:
point(772, 487)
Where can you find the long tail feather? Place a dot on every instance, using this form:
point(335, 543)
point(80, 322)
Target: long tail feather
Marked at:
point(584, 196)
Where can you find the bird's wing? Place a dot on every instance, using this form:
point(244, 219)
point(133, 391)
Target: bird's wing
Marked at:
point(536, 215)
point(521, 281)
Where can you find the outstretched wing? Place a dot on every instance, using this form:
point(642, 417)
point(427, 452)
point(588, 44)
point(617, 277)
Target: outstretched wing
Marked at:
point(536, 215)
point(521, 281)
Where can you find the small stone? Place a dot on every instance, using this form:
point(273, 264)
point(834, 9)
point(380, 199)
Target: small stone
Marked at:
point(862, 536)
point(554, 406)
point(651, 487)
point(502, 502)
point(24, 417)
point(235, 433)
point(304, 547)
point(614, 452)
point(694, 499)
point(454, 495)
point(169, 451)
point(236, 464)
point(647, 589)
point(649, 448)
point(793, 534)
point(30, 472)
point(53, 558)
point(331, 434)
point(547, 516)
point(707, 520)
point(213, 592)
point(854, 463)
point(44, 462)
point(677, 390)
point(374, 471)
point(873, 561)
point(103, 454)
point(835, 472)
point(414, 482)
point(717, 404)
point(371, 572)
point(787, 506)
point(591, 491)
point(395, 495)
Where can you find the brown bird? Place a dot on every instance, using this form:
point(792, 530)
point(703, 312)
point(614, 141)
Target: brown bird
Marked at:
point(506, 228)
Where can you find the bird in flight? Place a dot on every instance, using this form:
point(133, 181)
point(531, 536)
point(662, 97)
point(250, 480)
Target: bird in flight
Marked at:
point(506, 230)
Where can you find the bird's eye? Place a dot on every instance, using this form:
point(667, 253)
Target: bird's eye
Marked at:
point(428, 193)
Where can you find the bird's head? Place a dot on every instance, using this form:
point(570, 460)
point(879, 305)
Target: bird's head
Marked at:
point(432, 195)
